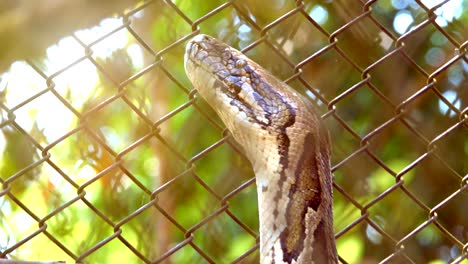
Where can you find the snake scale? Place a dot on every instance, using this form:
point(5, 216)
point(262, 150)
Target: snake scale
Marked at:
point(286, 143)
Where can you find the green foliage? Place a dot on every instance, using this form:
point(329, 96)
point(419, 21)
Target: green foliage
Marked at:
point(139, 163)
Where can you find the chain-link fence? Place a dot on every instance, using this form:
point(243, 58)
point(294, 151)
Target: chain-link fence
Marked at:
point(109, 156)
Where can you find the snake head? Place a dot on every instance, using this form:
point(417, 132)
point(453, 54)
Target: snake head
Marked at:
point(244, 95)
point(258, 109)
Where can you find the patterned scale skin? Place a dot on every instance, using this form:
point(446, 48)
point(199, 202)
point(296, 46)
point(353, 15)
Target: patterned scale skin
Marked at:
point(284, 140)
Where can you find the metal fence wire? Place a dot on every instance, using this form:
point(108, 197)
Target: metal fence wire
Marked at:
point(138, 169)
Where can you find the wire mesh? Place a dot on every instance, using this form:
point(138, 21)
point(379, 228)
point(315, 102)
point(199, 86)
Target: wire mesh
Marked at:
point(168, 185)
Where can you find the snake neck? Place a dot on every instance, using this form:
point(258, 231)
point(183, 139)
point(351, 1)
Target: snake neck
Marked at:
point(295, 200)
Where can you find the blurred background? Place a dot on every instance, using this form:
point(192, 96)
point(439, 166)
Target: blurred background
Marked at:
point(108, 155)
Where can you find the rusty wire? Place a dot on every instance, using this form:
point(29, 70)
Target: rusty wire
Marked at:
point(266, 37)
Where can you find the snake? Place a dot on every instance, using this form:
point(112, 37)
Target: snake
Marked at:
point(286, 142)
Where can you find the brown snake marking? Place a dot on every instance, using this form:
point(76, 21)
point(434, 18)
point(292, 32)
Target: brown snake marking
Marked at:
point(286, 143)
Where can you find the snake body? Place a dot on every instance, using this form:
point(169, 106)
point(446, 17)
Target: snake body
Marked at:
point(284, 140)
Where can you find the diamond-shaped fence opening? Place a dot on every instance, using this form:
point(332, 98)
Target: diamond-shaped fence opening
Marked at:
point(108, 155)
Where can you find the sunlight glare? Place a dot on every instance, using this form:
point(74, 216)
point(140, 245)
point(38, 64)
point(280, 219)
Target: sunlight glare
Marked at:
point(62, 54)
point(136, 53)
point(447, 12)
point(319, 14)
point(75, 84)
point(105, 47)
point(21, 81)
point(452, 97)
point(403, 20)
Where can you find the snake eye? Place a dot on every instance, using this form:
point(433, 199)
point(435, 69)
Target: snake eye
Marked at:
point(226, 55)
point(240, 63)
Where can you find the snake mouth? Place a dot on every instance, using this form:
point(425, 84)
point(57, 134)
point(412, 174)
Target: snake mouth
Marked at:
point(195, 58)
point(207, 56)
point(213, 56)
point(191, 49)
